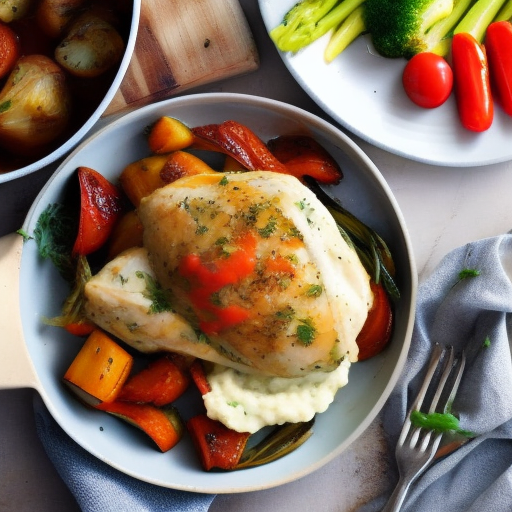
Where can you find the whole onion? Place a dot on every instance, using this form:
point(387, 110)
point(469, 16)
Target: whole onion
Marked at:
point(34, 104)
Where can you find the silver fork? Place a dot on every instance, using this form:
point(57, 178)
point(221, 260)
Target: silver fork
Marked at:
point(416, 447)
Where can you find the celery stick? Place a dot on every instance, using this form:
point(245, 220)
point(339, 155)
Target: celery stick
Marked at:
point(308, 31)
point(346, 33)
point(506, 12)
point(479, 17)
point(435, 38)
point(303, 17)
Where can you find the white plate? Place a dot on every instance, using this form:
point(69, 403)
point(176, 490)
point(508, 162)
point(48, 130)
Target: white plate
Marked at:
point(51, 350)
point(363, 92)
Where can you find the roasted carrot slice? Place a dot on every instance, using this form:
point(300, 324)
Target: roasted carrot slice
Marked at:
point(163, 426)
point(99, 370)
point(169, 134)
point(180, 164)
point(303, 156)
point(142, 177)
point(160, 383)
point(199, 377)
point(239, 142)
point(217, 445)
point(127, 233)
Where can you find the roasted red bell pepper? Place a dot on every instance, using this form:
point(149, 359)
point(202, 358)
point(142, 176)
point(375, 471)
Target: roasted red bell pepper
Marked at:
point(376, 331)
point(471, 83)
point(199, 377)
point(81, 328)
point(303, 155)
point(498, 44)
point(217, 445)
point(238, 141)
point(100, 208)
point(242, 144)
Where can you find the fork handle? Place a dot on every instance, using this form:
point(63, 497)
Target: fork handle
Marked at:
point(396, 499)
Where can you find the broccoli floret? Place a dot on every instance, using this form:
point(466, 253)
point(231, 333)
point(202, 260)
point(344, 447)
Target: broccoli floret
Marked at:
point(398, 27)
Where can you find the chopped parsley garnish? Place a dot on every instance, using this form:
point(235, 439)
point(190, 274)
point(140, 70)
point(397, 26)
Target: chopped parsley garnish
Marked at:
point(201, 230)
point(295, 233)
point(215, 299)
point(221, 241)
point(315, 290)
point(487, 342)
point(154, 292)
point(267, 231)
point(468, 272)
point(224, 181)
point(293, 258)
point(285, 314)
point(306, 332)
point(6, 105)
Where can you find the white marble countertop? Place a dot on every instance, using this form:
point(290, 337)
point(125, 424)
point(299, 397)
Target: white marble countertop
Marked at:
point(443, 207)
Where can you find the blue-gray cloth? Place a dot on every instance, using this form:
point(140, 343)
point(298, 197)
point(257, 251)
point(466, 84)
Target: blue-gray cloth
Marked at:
point(97, 487)
point(450, 311)
point(464, 312)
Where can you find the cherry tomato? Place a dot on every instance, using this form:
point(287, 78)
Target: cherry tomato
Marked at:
point(427, 80)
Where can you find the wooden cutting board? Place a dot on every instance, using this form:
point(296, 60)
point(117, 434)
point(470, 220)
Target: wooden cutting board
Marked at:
point(182, 44)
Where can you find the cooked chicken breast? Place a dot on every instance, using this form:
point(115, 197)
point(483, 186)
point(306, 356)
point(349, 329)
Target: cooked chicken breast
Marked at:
point(125, 300)
point(256, 263)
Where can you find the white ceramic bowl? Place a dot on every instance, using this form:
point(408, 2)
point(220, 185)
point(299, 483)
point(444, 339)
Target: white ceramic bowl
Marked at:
point(65, 148)
point(50, 350)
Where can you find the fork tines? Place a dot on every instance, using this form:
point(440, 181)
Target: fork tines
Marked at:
point(441, 382)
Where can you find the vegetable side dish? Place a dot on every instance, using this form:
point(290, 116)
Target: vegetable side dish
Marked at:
point(57, 60)
point(252, 284)
point(459, 45)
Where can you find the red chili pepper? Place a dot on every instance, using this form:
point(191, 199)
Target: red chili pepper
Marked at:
point(498, 44)
point(472, 85)
point(100, 207)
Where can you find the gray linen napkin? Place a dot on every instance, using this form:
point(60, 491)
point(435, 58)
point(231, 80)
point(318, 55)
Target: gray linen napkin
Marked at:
point(97, 487)
point(464, 312)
